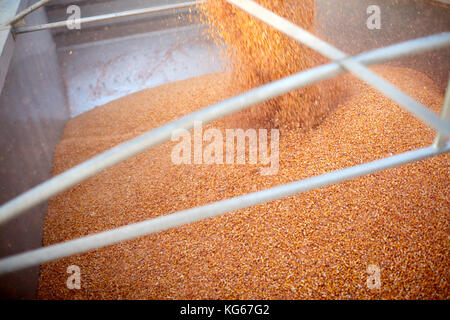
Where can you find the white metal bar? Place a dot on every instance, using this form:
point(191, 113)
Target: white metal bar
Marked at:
point(8, 8)
point(7, 45)
point(128, 149)
point(109, 16)
point(132, 231)
point(351, 65)
point(25, 12)
point(445, 114)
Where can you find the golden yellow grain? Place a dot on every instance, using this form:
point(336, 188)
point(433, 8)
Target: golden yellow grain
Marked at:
point(310, 246)
point(258, 54)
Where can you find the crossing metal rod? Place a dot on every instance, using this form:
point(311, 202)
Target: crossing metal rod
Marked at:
point(25, 12)
point(109, 16)
point(132, 231)
point(445, 114)
point(71, 177)
point(327, 50)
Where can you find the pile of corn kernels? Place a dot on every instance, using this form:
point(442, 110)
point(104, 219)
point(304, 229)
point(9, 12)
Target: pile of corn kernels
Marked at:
point(316, 245)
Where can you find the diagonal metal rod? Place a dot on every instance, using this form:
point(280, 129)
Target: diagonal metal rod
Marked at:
point(71, 177)
point(109, 16)
point(132, 231)
point(25, 12)
point(445, 114)
point(351, 65)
